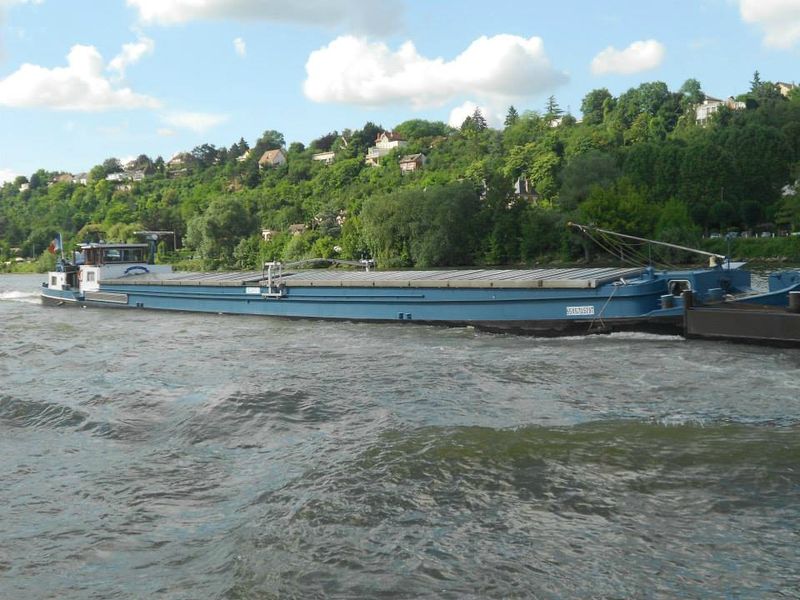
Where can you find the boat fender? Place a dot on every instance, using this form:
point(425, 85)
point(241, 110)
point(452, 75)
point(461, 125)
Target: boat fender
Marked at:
point(80, 274)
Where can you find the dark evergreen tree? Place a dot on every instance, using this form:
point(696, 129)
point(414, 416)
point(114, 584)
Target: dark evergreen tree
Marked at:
point(511, 117)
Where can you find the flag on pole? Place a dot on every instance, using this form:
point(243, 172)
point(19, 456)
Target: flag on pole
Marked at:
point(55, 245)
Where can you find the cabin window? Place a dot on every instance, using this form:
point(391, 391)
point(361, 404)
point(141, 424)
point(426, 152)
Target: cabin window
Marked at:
point(90, 276)
point(676, 287)
point(53, 281)
point(112, 255)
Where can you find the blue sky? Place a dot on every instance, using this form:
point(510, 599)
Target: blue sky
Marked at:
point(80, 83)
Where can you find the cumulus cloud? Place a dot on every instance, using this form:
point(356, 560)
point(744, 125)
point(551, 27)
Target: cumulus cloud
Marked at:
point(375, 16)
point(779, 20)
point(78, 86)
point(352, 70)
point(240, 47)
point(131, 54)
point(198, 122)
point(7, 175)
point(460, 113)
point(639, 56)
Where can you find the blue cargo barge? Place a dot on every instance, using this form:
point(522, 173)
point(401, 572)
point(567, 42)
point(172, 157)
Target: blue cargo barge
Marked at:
point(533, 301)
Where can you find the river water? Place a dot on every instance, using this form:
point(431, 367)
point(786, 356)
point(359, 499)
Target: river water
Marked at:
point(154, 455)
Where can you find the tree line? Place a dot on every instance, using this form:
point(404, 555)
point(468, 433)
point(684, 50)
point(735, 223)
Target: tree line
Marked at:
point(638, 163)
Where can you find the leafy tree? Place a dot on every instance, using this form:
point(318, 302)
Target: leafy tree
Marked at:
point(416, 129)
point(584, 172)
point(619, 207)
point(217, 232)
point(112, 165)
point(692, 92)
point(593, 106)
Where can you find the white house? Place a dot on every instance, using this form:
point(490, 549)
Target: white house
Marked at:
point(711, 105)
point(384, 143)
point(324, 157)
point(784, 88)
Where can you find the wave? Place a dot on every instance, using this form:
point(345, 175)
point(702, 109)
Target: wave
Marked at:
point(19, 296)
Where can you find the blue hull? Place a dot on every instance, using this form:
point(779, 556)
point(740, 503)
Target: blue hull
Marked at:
point(641, 303)
point(541, 312)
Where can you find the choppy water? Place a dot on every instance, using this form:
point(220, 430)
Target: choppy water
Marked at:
point(149, 455)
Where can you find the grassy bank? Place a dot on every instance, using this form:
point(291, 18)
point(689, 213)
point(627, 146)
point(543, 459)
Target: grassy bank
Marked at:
point(777, 249)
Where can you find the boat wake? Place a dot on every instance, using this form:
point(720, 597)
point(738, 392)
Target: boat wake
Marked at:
point(17, 296)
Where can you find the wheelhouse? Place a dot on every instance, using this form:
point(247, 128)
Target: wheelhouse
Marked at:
point(104, 254)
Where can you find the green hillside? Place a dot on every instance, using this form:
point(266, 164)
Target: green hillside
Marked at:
point(639, 163)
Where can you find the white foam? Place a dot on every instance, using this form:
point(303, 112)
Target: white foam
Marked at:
point(17, 296)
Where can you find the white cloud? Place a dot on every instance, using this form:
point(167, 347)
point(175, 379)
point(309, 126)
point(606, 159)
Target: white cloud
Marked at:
point(639, 56)
point(7, 175)
point(78, 86)
point(194, 121)
point(165, 132)
point(779, 19)
point(240, 47)
point(459, 113)
point(375, 16)
point(131, 54)
point(351, 70)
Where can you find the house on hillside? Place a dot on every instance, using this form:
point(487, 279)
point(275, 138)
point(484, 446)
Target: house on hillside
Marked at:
point(61, 178)
point(178, 165)
point(243, 157)
point(412, 162)
point(324, 157)
point(524, 190)
point(384, 143)
point(81, 179)
point(711, 105)
point(784, 88)
point(272, 158)
point(179, 160)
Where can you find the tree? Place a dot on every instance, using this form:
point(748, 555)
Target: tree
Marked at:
point(692, 92)
point(582, 173)
point(216, 233)
point(478, 120)
point(205, 155)
point(620, 207)
point(511, 117)
point(552, 111)
point(756, 83)
point(112, 165)
point(593, 105)
point(269, 140)
point(415, 129)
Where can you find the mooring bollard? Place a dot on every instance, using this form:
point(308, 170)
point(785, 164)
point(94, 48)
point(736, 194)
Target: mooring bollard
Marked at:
point(688, 299)
point(794, 302)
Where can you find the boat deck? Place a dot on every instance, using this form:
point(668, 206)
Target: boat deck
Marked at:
point(574, 278)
